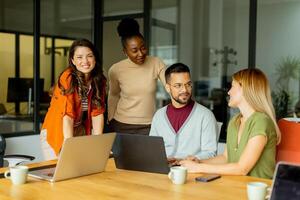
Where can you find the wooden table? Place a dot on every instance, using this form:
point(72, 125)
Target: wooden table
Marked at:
point(123, 184)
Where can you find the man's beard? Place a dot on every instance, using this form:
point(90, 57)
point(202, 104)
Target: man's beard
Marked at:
point(182, 102)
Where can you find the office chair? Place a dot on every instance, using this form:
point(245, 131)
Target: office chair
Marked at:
point(2, 109)
point(220, 147)
point(219, 125)
point(289, 148)
point(14, 159)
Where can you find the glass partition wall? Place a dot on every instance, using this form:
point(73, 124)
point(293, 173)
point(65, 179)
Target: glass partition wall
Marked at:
point(214, 38)
point(16, 47)
point(211, 37)
point(213, 42)
point(59, 26)
point(278, 53)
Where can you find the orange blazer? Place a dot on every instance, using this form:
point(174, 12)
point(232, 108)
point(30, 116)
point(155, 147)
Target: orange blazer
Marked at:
point(70, 105)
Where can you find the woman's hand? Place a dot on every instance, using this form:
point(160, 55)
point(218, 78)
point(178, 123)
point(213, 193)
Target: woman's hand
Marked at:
point(192, 166)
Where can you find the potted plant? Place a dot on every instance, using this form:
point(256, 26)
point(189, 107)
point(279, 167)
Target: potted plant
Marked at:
point(288, 68)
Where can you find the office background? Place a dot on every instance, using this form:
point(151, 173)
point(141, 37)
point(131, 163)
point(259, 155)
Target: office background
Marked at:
point(214, 38)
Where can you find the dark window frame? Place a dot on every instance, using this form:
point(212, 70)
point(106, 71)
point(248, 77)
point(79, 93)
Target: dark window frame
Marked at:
point(97, 37)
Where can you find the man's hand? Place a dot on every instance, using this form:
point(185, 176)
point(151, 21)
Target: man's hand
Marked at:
point(174, 161)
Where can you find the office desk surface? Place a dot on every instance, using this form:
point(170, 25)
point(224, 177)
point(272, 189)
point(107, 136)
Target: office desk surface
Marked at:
point(123, 184)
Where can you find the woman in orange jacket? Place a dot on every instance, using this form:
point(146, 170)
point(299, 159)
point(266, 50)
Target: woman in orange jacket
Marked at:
point(77, 104)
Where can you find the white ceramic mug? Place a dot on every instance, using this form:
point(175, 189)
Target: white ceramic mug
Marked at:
point(17, 174)
point(178, 175)
point(257, 190)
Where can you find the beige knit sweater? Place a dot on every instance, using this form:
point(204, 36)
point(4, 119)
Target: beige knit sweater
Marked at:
point(132, 88)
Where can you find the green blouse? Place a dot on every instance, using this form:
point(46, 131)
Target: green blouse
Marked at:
point(257, 124)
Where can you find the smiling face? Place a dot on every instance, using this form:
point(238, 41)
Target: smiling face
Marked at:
point(136, 50)
point(84, 60)
point(179, 87)
point(235, 94)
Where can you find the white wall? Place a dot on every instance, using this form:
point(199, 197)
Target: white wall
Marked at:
point(205, 25)
point(278, 30)
point(28, 145)
point(277, 36)
point(214, 24)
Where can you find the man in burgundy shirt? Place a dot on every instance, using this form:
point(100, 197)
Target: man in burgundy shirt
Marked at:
point(188, 128)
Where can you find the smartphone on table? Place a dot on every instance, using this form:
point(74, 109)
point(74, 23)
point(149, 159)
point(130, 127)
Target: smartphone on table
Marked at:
point(207, 177)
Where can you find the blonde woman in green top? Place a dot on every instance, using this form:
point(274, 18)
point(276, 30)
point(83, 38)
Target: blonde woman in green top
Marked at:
point(252, 134)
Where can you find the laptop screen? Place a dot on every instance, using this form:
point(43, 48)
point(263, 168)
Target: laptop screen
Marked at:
point(286, 182)
point(140, 153)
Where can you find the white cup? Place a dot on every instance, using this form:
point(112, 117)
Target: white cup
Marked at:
point(178, 175)
point(257, 190)
point(17, 174)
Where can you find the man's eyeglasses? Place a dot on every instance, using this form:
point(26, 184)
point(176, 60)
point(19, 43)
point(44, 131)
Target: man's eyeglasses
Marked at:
point(179, 86)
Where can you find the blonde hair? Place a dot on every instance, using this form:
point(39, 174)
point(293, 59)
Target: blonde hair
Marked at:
point(257, 93)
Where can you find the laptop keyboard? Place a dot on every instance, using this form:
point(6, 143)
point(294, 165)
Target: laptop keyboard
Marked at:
point(48, 172)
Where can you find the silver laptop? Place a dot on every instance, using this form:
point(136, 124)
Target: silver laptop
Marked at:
point(79, 156)
point(286, 182)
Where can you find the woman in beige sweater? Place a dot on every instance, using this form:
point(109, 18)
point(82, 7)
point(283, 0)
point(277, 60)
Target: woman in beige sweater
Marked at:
point(132, 83)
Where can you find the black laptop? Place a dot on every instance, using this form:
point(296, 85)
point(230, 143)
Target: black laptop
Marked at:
point(140, 153)
point(286, 182)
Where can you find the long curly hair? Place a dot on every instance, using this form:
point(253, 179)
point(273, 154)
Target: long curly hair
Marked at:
point(78, 82)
